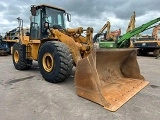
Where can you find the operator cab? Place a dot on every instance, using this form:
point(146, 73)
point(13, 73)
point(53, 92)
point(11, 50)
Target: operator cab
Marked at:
point(45, 17)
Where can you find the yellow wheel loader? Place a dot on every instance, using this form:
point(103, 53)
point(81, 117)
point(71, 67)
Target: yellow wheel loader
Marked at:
point(107, 77)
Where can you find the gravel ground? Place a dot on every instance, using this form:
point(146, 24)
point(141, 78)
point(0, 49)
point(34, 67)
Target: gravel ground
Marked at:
point(25, 95)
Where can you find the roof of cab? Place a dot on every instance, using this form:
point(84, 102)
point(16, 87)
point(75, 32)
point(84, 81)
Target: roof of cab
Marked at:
point(51, 7)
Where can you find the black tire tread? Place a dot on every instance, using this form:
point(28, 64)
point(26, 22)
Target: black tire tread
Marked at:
point(23, 64)
point(66, 61)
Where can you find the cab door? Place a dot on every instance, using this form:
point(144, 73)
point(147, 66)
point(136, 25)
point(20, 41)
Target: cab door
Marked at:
point(35, 30)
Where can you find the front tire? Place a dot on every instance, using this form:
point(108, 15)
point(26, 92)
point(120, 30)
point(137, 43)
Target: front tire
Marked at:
point(55, 61)
point(18, 57)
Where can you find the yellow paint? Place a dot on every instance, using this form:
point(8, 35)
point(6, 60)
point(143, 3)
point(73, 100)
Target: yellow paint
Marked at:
point(48, 62)
point(34, 48)
point(16, 56)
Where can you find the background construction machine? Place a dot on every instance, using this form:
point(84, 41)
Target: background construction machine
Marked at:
point(132, 21)
point(131, 26)
point(107, 77)
point(107, 35)
point(8, 39)
point(12, 37)
point(107, 38)
point(124, 40)
point(149, 43)
point(3, 47)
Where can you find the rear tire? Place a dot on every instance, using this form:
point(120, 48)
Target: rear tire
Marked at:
point(139, 52)
point(55, 61)
point(18, 57)
point(142, 52)
point(156, 52)
point(127, 44)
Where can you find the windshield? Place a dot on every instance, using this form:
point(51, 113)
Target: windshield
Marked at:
point(55, 17)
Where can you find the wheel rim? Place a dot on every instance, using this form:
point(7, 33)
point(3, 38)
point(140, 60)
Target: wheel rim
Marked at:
point(16, 56)
point(48, 62)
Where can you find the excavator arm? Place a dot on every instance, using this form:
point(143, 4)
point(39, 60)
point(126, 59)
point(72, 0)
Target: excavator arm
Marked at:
point(125, 38)
point(131, 24)
point(107, 25)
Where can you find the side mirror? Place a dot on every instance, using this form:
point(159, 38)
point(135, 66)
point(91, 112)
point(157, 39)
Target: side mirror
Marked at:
point(68, 17)
point(33, 10)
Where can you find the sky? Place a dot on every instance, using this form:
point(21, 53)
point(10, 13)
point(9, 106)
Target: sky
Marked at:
point(85, 13)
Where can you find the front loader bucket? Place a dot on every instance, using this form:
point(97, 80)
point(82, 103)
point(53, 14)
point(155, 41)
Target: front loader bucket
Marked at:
point(109, 77)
